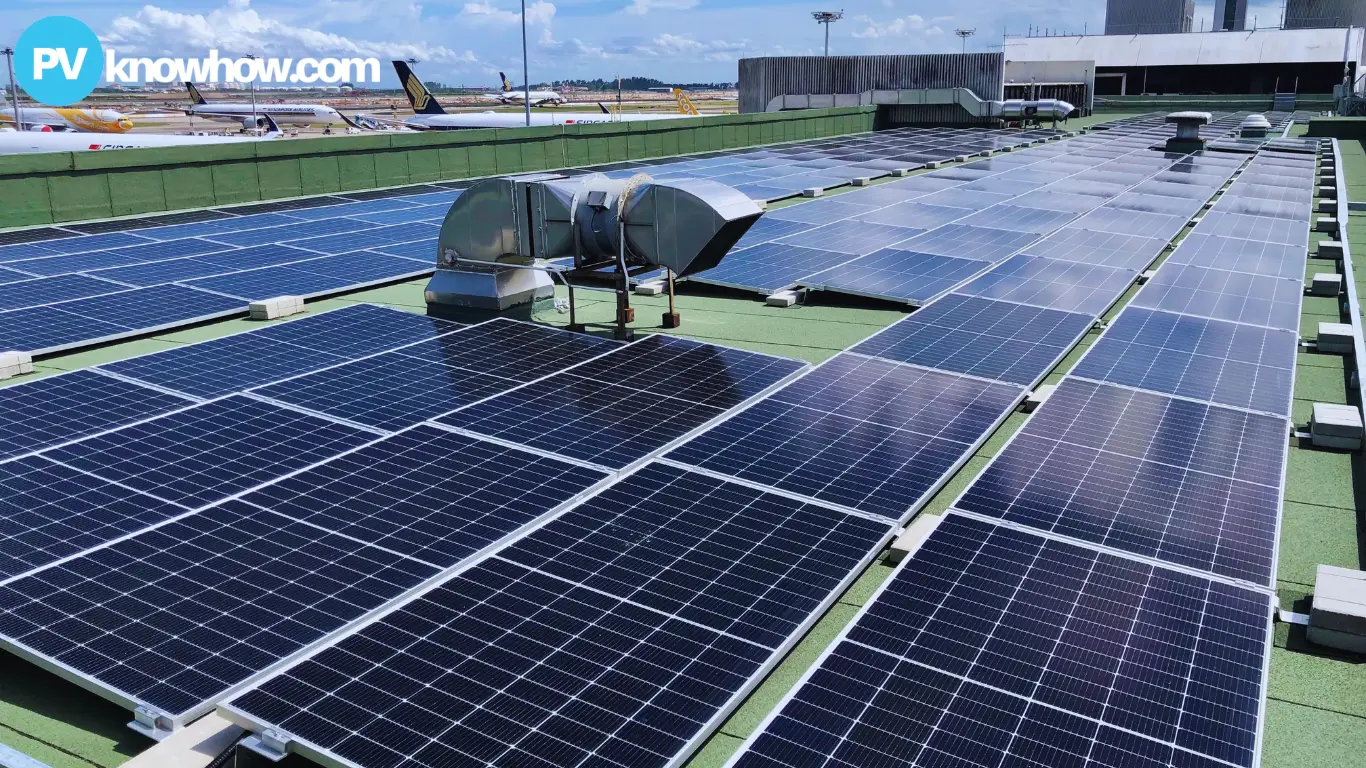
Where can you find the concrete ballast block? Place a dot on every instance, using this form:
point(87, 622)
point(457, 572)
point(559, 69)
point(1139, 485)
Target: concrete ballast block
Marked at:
point(652, 288)
point(1326, 224)
point(1329, 249)
point(861, 181)
point(1328, 193)
point(900, 172)
point(15, 364)
point(1338, 615)
point(1326, 284)
point(1146, 275)
point(1328, 206)
point(781, 299)
point(280, 306)
point(933, 164)
point(1334, 425)
point(813, 192)
point(910, 539)
point(1335, 338)
point(1038, 397)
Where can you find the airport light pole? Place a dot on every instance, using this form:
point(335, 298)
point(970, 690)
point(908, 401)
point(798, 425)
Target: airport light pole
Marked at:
point(252, 85)
point(13, 89)
point(964, 34)
point(827, 18)
point(526, 69)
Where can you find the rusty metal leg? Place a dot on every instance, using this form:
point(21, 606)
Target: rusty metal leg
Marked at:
point(671, 319)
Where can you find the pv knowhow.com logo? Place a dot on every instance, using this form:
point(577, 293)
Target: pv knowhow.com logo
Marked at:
point(59, 61)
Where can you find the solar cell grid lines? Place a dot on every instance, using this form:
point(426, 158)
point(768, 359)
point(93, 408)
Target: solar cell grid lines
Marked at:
point(849, 236)
point(175, 616)
point(47, 290)
point(1126, 664)
point(208, 452)
point(1107, 465)
point(770, 267)
point(970, 242)
point(1120, 221)
point(891, 273)
point(913, 214)
point(1219, 223)
point(431, 494)
point(864, 433)
point(1054, 284)
point(1011, 342)
point(1215, 293)
point(1020, 218)
point(1104, 249)
point(1243, 366)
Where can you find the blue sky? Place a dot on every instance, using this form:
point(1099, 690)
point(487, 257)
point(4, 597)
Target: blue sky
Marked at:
point(468, 41)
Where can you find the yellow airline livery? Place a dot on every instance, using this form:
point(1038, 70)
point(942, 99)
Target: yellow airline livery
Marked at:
point(67, 119)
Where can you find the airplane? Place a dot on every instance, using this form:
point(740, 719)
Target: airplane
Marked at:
point(14, 142)
point(67, 119)
point(429, 116)
point(510, 95)
point(290, 114)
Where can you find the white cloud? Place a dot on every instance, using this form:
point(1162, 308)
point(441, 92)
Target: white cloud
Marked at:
point(642, 7)
point(237, 28)
point(682, 47)
point(898, 27)
point(539, 12)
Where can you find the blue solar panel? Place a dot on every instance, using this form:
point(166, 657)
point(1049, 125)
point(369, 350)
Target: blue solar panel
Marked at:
point(161, 272)
point(1128, 222)
point(277, 351)
point(1183, 482)
point(47, 290)
point(609, 411)
point(269, 282)
point(869, 434)
point(855, 237)
point(766, 229)
point(1055, 284)
point(352, 209)
point(89, 243)
point(41, 413)
point(204, 454)
point(1260, 228)
point(1242, 255)
point(972, 200)
point(8, 275)
point(1175, 206)
point(297, 231)
point(1216, 293)
point(896, 274)
point(135, 254)
point(993, 647)
point(982, 337)
point(204, 228)
point(403, 493)
point(1049, 200)
point(42, 329)
point(176, 616)
point(819, 211)
point(1104, 249)
point(771, 266)
point(632, 667)
point(970, 242)
point(396, 234)
point(428, 213)
point(79, 321)
point(254, 256)
point(913, 214)
point(1239, 365)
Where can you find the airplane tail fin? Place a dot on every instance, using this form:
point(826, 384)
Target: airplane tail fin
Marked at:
point(424, 103)
point(604, 108)
point(272, 129)
point(195, 95)
point(507, 84)
point(348, 120)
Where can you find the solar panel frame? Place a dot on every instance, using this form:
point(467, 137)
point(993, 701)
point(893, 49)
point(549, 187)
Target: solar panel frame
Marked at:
point(894, 274)
point(1052, 284)
point(1219, 294)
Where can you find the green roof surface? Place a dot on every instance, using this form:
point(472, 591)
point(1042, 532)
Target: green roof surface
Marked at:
point(1316, 709)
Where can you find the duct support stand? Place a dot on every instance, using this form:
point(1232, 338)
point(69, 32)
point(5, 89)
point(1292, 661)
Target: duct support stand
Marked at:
point(671, 318)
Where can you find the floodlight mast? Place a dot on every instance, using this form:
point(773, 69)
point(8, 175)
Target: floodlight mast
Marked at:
point(964, 34)
point(827, 18)
point(13, 89)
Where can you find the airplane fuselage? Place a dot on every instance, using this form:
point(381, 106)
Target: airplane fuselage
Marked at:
point(27, 142)
point(69, 119)
point(472, 120)
point(290, 114)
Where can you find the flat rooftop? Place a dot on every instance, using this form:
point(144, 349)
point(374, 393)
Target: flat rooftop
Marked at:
point(1316, 699)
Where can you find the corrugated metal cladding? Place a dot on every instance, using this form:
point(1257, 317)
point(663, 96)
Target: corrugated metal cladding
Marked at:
point(1304, 14)
point(1148, 17)
point(762, 79)
point(1230, 15)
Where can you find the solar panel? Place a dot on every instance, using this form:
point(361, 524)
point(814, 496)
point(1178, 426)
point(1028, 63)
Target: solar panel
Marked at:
point(621, 407)
point(47, 290)
point(1242, 255)
point(35, 235)
point(913, 214)
point(1253, 206)
point(80, 321)
point(634, 665)
point(49, 511)
point(1243, 187)
point(1131, 222)
point(766, 229)
point(1263, 229)
point(174, 617)
point(277, 351)
point(982, 337)
point(970, 242)
point(892, 273)
point(369, 238)
point(1216, 293)
point(855, 237)
point(771, 267)
point(1104, 249)
point(72, 245)
point(209, 452)
point(972, 200)
point(296, 231)
point(181, 217)
point(867, 434)
point(233, 224)
point(404, 493)
point(1049, 200)
point(400, 388)
point(1019, 218)
point(996, 647)
point(133, 254)
point(818, 212)
point(1045, 282)
point(1179, 481)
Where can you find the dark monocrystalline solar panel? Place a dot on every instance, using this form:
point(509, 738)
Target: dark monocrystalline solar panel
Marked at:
point(506, 665)
point(895, 274)
point(48, 512)
point(416, 383)
point(82, 245)
point(118, 225)
point(283, 205)
point(160, 272)
point(47, 290)
point(1179, 481)
point(80, 321)
point(855, 237)
point(201, 229)
point(116, 257)
point(982, 337)
point(32, 235)
point(1045, 282)
point(1216, 293)
point(1104, 249)
point(766, 229)
point(996, 647)
point(865, 433)
point(1256, 257)
point(771, 266)
point(269, 282)
point(296, 231)
point(1260, 228)
point(734, 559)
point(623, 406)
point(406, 494)
point(277, 351)
point(60, 408)
point(175, 616)
point(203, 454)
point(970, 242)
point(1238, 365)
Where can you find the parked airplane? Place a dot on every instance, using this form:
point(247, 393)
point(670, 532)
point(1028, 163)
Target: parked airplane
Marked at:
point(14, 142)
point(68, 119)
point(510, 95)
point(291, 114)
point(431, 117)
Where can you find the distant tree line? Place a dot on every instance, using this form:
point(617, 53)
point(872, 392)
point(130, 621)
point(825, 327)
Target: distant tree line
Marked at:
point(637, 84)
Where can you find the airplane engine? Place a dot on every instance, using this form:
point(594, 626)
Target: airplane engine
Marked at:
point(249, 123)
